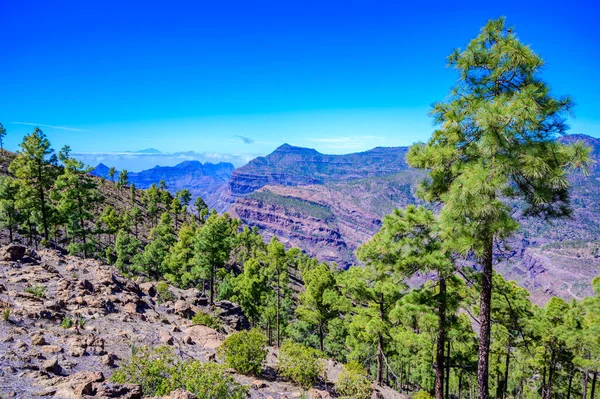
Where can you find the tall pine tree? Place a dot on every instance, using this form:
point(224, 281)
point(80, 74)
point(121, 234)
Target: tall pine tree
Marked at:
point(496, 141)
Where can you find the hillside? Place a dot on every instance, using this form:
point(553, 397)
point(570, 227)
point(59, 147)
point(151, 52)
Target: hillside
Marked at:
point(296, 166)
point(200, 179)
point(350, 212)
point(41, 358)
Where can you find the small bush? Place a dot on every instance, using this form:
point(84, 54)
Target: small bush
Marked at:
point(422, 395)
point(204, 319)
point(163, 294)
point(6, 312)
point(245, 351)
point(353, 382)
point(209, 381)
point(300, 364)
point(67, 322)
point(39, 291)
point(160, 372)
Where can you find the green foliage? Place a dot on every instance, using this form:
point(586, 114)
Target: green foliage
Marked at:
point(293, 204)
point(353, 382)
point(10, 216)
point(205, 319)
point(163, 293)
point(300, 364)
point(6, 311)
point(127, 248)
point(245, 351)
point(35, 170)
point(163, 237)
point(160, 372)
point(422, 395)
point(39, 291)
point(67, 322)
point(2, 135)
point(212, 246)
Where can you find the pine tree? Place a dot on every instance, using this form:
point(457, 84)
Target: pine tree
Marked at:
point(378, 286)
point(127, 248)
point(179, 262)
point(111, 173)
point(132, 194)
point(184, 196)
point(176, 210)
point(408, 242)
point(321, 300)
point(212, 246)
point(2, 135)
point(10, 216)
point(77, 197)
point(201, 208)
point(496, 142)
point(35, 169)
point(123, 179)
point(162, 239)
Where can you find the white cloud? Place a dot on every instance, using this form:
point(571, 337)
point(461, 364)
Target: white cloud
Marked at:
point(71, 129)
point(346, 142)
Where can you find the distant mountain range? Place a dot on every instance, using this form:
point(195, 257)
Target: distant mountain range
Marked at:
point(328, 205)
point(204, 180)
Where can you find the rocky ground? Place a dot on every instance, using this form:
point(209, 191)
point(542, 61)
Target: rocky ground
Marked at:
point(40, 358)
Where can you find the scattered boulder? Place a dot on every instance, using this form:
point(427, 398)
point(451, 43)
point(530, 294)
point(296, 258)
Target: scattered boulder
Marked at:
point(121, 391)
point(12, 253)
point(165, 338)
point(78, 384)
point(180, 394)
point(52, 366)
point(38, 339)
point(232, 314)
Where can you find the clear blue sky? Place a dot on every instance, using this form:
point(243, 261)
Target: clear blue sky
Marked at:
point(202, 76)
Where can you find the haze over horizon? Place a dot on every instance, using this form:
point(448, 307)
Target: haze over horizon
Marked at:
point(231, 82)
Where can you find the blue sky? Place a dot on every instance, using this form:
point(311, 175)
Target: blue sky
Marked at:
point(230, 80)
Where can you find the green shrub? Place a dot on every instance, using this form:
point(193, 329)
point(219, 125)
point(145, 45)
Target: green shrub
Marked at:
point(38, 291)
point(152, 369)
point(6, 312)
point(204, 319)
point(67, 322)
point(245, 351)
point(163, 294)
point(422, 395)
point(300, 364)
point(209, 381)
point(160, 372)
point(353, 382)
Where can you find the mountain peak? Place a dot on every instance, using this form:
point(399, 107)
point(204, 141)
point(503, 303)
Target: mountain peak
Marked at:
point(149, 151)
point(287, 148)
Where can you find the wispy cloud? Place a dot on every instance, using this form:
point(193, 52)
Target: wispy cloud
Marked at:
point(71, 129)
point(245, 140)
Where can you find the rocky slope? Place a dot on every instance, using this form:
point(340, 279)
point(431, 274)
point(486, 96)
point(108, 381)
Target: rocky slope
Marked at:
point(39, 358)
point(204, 180)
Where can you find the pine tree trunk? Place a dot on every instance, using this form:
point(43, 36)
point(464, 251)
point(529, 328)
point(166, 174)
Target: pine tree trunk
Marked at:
point(321, 336)
point(506, 365)
point(212, 286)
point(278, 305)
point(448, 370)
point(485, 320)
point(585, 384)
point(571, 374)
point(379, 359)
point(593, 392)
point(551, 376)
point(441, 341)
point(380, 345)
point(460, 376)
